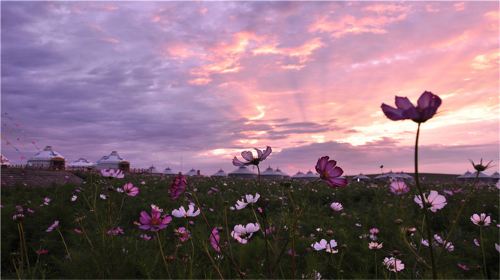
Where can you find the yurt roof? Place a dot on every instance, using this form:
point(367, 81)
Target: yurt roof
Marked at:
point(191, 172)
point(47, 154)
point(81, 162)
point(220, 173)
point(269, 172)
point(310, 174)
point(114, 157)
point(465, 175)
point(152, 168)
point(4, 160)
point(243, 170)
point(361, 176)
point(168, 171)
point(298, 175)
point(278, 171)
point(495, 175)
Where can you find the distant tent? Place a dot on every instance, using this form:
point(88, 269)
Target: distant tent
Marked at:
point(48, 158)
point(220, 173)
point(465, 175)
point(4, 161)
point(81, 163)
point(242, 172)
point(495, 177)
point(361, 178)
point(269, 173)
point(169, 172)
point(310, 176)
point(191, 172)
point(152, 169)
point(113, 161)
point(278, 171)
point(298, 175)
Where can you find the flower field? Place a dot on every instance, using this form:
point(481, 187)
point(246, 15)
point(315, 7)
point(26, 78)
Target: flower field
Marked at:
point(147, 227)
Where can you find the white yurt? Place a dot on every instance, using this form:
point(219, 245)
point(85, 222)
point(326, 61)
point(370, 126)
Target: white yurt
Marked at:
point(220, 173)
point(169, 172)
point(242, 172)
point(152, 170)
point(269, 173)
point(47, 159)
point(298, 175)
point(192, 172)
point(361, 178)
point(310, 176)
point(113, 161)
point(283, 174)
point(4, 161)
point(81, 163)
point(495, 177)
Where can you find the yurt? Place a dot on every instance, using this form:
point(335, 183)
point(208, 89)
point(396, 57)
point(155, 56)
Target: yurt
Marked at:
point(4, 161)
point(242, 172)
point(361, 178)
point(465, 177)
point(220, 173)
point(169, 172)
point(310, 176)
point(152, 170)
point(495, 177)
point(47, 159)
point(81, 164)
point(269, 173)
point(281, 173)
point(192, 172)
point(113, 161)
point(298, 175)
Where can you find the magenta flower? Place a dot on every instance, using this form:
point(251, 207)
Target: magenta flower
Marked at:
point(183, 234)
point(399, 187)
point(42, 252)
point(481, 219)
point(336, 206)
point(115, 231)
point(250, 159)
point(178, 187)
point(330, 173)
point(154, 222)
point(215, 239)
point(112, 173)
point(428, 103)
point(130, 189)
point(375, 246)
point(53, 226)
point(434, 201)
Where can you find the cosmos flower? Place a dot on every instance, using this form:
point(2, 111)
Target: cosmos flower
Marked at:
point(178, 187)
point(393, 264)
point(463, 266)
point(240, 204)
point(427, 106)
point(327, 246)
point(336, 206)
point(112, 173)
point(330, 173)
point(480, 167)
point(154, 222)
point(399, 187)
point(243, 233)
point(434, 201)
point(183, 234)
point(481, 219)
point(215, 239)
point(250, 159)
point(375, 246)
point(103, 196)
point(182, 213)
point(252, 199)
point(115, 231)
point(42, 252)
point(145, 236)
point(46, 201)
point(53, 226)
point(130, 189)
point(74, 198)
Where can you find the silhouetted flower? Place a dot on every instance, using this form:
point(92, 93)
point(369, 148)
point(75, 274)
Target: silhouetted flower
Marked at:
point(250, 159)
point(480, 167)
point(428, 103)
point(178, 187)
point(330, 173)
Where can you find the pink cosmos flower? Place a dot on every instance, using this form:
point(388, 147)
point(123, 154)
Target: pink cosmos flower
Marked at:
point(112, 173)
point(53, 226)
point(115, 231)
point(183, 234)
point(215, 240)
point(393, 264)
point(330, 173)
point(130, 190)
point(481, 219)
point(182, 213)
point(240, 204)
point(375, 246)
point(399, 187)
point(77, 231)
point(243, 233)
point(336, 206)
point(434, 201)
point(476, 242)
point(46, 201)
point(42, 252)
point(374, 231)
point(327, 246)
point(155, 221)
point(428, 103)
point(178, 187)
point(463, 266)
point(250, 159)
point(145, 236)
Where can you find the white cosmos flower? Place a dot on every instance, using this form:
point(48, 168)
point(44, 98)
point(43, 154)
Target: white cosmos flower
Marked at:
point(434, 201)
point(336, 206)
point(325, 245)
point(393, 264)
point(240, 204)
point(182, 213)
point(252, 199)
point(243, 233)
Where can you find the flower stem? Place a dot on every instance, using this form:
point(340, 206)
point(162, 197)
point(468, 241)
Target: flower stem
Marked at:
point(162, 254)
point(485, 270)
point(64, 242)
point(427, 221)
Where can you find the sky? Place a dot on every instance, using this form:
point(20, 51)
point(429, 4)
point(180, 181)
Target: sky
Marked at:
point(192, 84)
